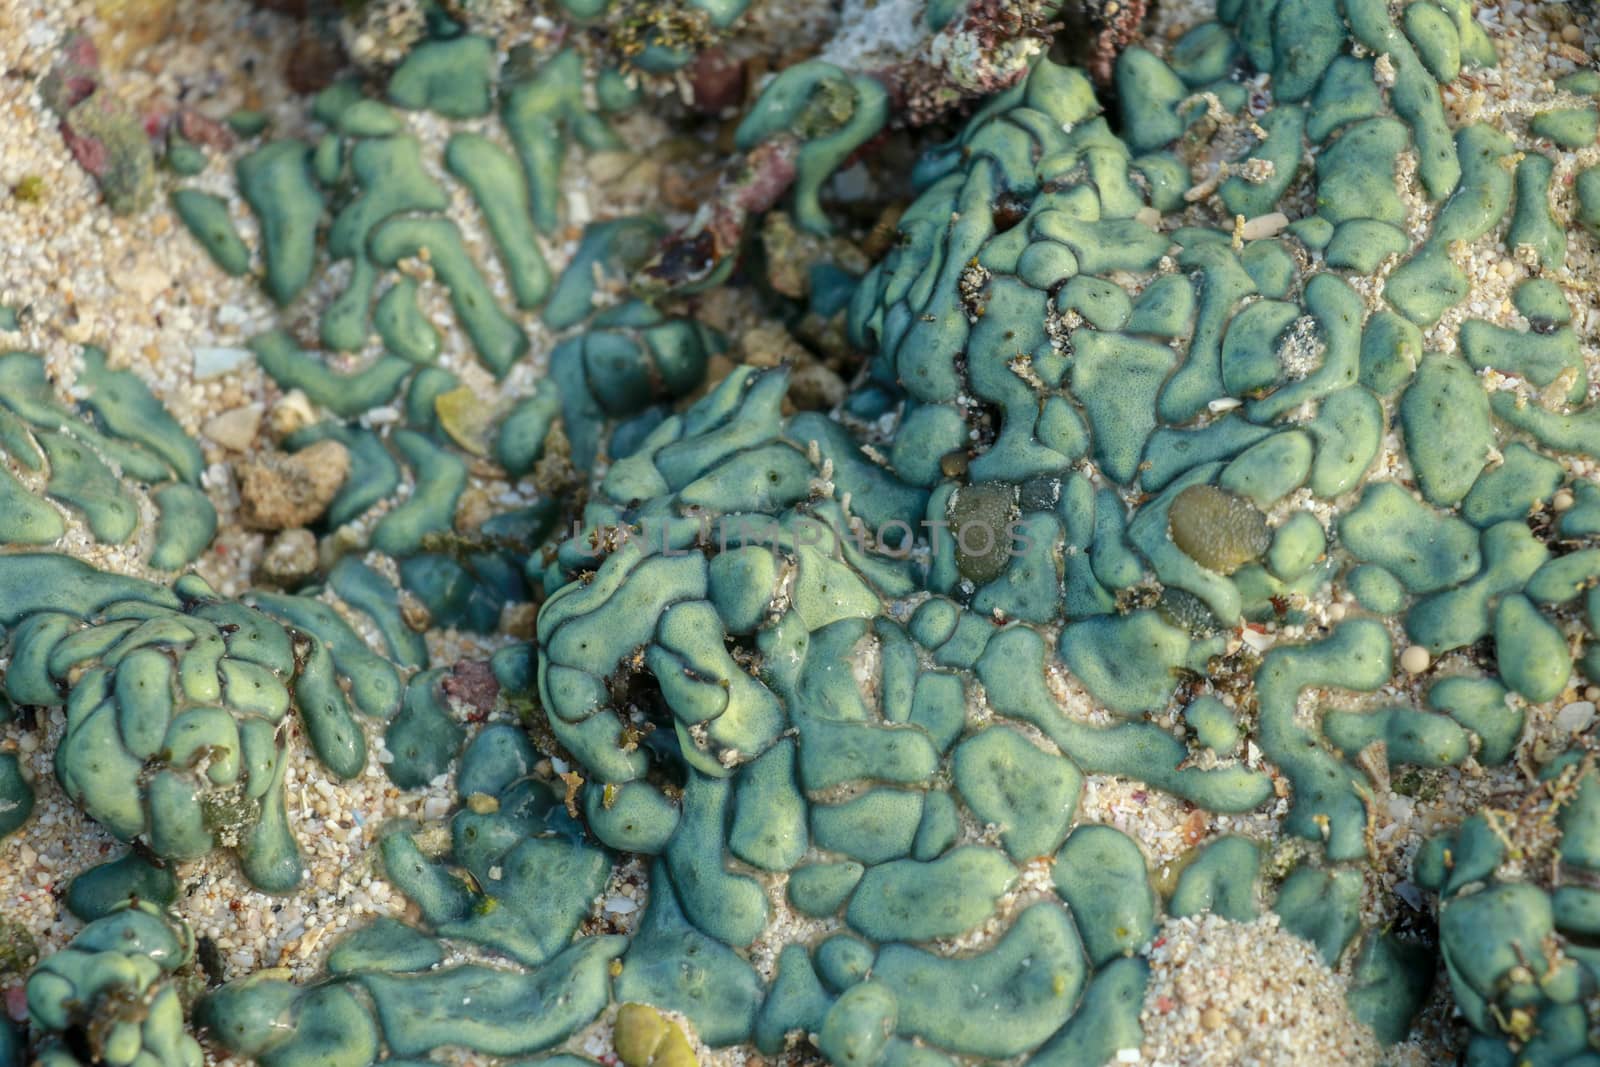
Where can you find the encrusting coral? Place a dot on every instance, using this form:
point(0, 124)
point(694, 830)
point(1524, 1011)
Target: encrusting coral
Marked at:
point(836, 683)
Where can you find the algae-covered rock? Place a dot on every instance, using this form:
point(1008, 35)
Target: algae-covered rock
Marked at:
point(643, 1037)
point(1218, 530)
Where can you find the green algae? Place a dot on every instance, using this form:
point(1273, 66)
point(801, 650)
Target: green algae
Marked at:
point(1323, 907)
point(440, 479)
point(997, 1003)
point(275, 180)
point(1284, 127)
point(1093, 872)
point(830, 111)
point(740, 645)
point(207, 217)
point(346, 395)
point(1117, 377)
point(418, 1013)
point(539, 111)
point(1569, 127)
point(27, 520)
point(497, 338)
point(1523, 481)
point(1150, 93)
point(1348, 430)
point(497, 185)
point(1107, 1019)
point(16, 795)
point(878, 826)
point(1408, 736)
point(1030, 794)
point(369, 592)
point(393, 181)
point(1430, 283)
point(1362, 245)
point(399, 322)
point(719, 993)
point(907, 900)
point(1480, 705)
point(859, 1025)
point(186, 526)
point(1533, 653)
point(1444, 415)
point(114, 989)
point(1532, 223)
point(1221, 879)
point(453, 78)
point(125, 407)
point(1355, 175)
point(1426, 550)
point(1543, 358)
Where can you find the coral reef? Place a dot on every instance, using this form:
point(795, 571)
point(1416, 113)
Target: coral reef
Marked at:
point(1184, 460)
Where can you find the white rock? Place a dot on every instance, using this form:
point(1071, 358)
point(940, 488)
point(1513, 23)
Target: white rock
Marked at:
point(435, 807)
point(210, 362)
point(144, 279)
point(1263, 226)
point(1415, 659)
point(235, 429)
point(1575, 717)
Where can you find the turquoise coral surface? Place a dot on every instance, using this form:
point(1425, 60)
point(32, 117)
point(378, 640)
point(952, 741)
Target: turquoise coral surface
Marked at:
point(836, 682)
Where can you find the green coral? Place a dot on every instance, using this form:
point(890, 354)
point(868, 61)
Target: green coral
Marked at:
point(116, 993)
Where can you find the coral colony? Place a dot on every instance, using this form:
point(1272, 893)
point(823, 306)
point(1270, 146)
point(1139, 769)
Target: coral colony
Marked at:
point(1173, 447)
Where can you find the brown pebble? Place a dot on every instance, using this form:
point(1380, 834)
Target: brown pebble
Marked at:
point(234, 429)
point(313, 62)
point(814, 387)
point(475, 508)
point(473, 683)
point(278, 491)
point(716, 80)
point(290, 559)
point(953, 464)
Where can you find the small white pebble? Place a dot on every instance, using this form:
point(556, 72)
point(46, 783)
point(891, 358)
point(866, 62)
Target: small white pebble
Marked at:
point(1575, 717)
point(213, 362)
point(1563, 500)
point(435, 807)
point(1415, 659)
point(1264, 226)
